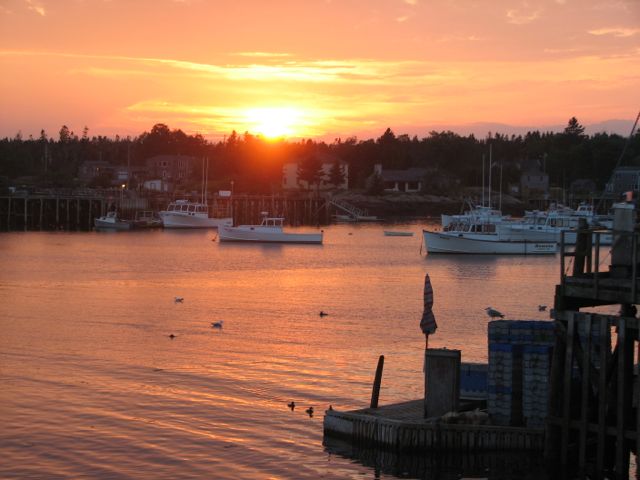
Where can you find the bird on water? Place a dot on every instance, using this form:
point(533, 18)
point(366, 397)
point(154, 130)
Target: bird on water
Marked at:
point(217, 324)
point(323, 313)
point(291, 405)
point(542, 308)
point(309, 411)
point(172, 336)
point(178, 299)
point(494, 313)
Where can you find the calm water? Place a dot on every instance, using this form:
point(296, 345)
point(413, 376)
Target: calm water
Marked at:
point(93, 386)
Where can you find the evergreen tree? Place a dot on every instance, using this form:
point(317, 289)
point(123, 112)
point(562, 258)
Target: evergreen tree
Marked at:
point(310, 170)
point(574, 128)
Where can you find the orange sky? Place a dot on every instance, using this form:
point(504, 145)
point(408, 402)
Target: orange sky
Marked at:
point(317, 68)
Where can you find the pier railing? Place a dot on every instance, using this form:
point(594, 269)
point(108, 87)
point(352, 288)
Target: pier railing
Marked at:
point(598, 276)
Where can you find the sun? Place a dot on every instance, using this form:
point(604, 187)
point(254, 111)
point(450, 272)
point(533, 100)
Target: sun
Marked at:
point(273, 122)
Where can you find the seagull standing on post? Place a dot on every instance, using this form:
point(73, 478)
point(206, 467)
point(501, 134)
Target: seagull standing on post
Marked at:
point(494, 313)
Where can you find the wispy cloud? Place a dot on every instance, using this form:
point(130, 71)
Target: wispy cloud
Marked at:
point(402, 19)
point(522, 16)
point(36, 7)
point(615, 32)
point(262, 54)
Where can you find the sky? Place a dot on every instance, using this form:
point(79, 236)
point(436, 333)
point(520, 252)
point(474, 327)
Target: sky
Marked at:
point(320, 69)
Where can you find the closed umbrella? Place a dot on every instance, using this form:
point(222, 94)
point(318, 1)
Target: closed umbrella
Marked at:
point(428, 323)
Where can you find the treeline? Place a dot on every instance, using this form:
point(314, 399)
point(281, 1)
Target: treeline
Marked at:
point(255, 164)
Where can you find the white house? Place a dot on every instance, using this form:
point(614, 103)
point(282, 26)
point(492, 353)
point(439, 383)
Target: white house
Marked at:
point(158, 185)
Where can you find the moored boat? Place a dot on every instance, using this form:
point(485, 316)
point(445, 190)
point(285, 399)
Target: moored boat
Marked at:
point(187, 214)
point(110, 221)
point(269, 231)
point(483, 243)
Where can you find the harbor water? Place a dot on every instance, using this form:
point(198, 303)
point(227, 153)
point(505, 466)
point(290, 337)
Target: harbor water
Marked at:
point(94, 386)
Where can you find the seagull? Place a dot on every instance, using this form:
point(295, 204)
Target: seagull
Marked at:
point(291, 405)
point(323, 314)
point(309, 411)
point(179, 299)
point(542, 308)
point(217, 324)
point(172, 336)
point(493, 313)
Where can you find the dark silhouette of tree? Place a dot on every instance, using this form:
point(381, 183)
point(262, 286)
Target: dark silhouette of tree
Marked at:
point(310, 170)
point(574, 128)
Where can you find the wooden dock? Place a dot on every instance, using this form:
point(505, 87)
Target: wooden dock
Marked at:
point(402, 427)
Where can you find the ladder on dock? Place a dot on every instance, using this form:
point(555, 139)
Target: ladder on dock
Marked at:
point(352, 211)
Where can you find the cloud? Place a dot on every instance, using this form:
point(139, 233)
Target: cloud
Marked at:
point(402, 19)
point(413, 3)
point(615, 32)
point(522, 16)
point(261, 54)
point(36, 7)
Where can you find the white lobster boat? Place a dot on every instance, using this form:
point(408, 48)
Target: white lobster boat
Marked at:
point(186, 214)
point(488, 243)
point(270, 231)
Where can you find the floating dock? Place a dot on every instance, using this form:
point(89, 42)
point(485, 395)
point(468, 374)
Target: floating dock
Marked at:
point(402, 427)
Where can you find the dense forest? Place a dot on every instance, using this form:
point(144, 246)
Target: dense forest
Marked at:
point(255, 163)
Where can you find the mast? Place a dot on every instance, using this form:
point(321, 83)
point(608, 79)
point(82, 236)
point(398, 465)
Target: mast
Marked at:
point(490, 165)
point(206, 182)
point(202, 185)
point(500, 197)
point(483, 179)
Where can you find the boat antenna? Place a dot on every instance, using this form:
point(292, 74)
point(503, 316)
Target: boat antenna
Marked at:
point(624, 150)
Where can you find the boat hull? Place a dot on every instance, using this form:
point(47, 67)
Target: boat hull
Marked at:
point(256, 234)
point(110, 225)
point(443, 242)
point(186, 220)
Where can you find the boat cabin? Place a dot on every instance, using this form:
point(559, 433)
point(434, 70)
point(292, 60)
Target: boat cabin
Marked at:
point(187, 207)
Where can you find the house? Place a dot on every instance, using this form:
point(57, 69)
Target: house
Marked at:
point(92, 169)
point(534, 182)
point(290, 180)
point(171, 168)
point(410, 180)
point(624, 179)
point(157, 185)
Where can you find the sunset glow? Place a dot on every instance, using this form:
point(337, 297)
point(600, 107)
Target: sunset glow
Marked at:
point(320, 69)
point(273, 122)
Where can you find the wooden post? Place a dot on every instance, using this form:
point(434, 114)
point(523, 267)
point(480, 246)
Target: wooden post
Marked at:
point(586, 390)
point(582, 239)
point(602, 395)
point(375, 394)
point(622, 454)
point(566, 395)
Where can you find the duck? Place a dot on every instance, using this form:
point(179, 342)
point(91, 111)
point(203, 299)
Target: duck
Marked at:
point(178, 299)
point(323, 313)
point(309, 411)
point(217, 324)
point(172, 336)
point(291, 405)
point(542, 308)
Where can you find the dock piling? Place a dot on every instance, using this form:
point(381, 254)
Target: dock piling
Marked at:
point(375, 394)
